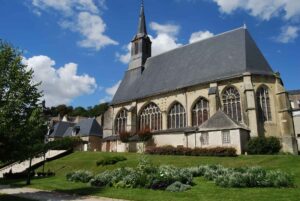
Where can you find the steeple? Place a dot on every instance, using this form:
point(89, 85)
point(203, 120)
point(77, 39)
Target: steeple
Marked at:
point(142, 30)
point(141, 44)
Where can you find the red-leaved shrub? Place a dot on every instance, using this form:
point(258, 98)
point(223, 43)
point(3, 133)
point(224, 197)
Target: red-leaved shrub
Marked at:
point(170, 150)
point(145, 134)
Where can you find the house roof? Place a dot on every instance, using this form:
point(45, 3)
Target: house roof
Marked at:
point(87, 127)
point(111, 138)
point(221, 121)
point(223, 56)
point(60, 128)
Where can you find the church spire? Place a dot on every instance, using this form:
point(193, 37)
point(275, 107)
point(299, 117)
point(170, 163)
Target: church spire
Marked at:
point(141, 44)
point(142, 30)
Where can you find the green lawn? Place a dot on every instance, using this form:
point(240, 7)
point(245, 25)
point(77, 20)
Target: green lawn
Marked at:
point(203, 190)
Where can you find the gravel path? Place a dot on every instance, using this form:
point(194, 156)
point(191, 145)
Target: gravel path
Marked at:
point(44, 195)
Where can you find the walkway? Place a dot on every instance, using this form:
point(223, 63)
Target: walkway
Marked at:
point(22, 166)
point(43, 195)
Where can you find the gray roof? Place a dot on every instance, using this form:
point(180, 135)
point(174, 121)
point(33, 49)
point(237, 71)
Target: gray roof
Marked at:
point(111, 138)
point(87, 127)
point(60, 128)
point(220, 57)
point(294, 92)
point(221, 121)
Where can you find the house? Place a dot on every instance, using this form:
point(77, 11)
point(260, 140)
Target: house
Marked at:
point(89, 131)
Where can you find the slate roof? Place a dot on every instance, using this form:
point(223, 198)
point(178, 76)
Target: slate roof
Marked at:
point(60, 128)
point(221, 121)
point(220, 57)
point(89, 127)
point(111, 138)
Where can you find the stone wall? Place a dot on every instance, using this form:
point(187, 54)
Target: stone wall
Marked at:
point(280, 126)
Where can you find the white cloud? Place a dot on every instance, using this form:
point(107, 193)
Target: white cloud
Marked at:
point(165, 39)
point(113, 89)
point(59, 85)
point(200, 35)
point(169, 29)
point(81, 16)
point(67, 7)
point(263, 9)
point(288, 34)
point(110, 92)
point(92, 28)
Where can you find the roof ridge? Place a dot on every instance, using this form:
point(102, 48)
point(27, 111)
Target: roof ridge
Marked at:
point(217, 35)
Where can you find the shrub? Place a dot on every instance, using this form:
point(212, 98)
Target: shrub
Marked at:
point(178, 187)
point(79, 176)
point(102, 179)
point(124, 136)
point(145, 134)
point(170, 150)
point(263, 145)
point(110, 160)
point(279, 179)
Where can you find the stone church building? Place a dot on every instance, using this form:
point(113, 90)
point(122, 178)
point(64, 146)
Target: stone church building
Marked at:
point(216, 92)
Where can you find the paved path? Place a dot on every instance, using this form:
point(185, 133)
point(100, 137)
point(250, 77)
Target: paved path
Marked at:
point(44, 195)
point(22, 166)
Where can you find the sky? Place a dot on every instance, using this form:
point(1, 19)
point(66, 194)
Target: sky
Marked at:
point(79, 49)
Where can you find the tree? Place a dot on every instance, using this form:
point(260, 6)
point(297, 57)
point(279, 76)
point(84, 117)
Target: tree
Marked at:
point(33, 141)
point(21, 125)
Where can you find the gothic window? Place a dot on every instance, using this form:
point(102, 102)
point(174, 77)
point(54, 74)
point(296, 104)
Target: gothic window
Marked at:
point(150, 118)
point(225, 137)
point(232, 103)
point(121, 121)
point(176, 116)
point(200, 112)
point(263, 103)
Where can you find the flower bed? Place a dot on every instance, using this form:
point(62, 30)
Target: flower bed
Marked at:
point(174, 179)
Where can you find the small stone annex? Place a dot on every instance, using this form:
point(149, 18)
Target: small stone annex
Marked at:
point(220, 91)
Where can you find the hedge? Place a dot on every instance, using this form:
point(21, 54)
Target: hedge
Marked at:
point(170, 150)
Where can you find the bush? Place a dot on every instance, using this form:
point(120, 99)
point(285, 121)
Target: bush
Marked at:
point(145, 134)
point(170, 150)
point(263, 145)
point(102, 179)
point(45, 174)
point(79, 176)
point(178, 187)
point(110, 160)
point(124, 136)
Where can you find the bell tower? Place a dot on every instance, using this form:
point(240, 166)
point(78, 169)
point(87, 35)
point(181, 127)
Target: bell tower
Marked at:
point(140, 44)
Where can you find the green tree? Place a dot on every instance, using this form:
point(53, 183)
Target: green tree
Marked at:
point(79, 111)
point(21, 127)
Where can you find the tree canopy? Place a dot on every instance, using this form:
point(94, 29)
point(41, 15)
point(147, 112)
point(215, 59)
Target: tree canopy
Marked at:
point(63, 110)
point(19, 105)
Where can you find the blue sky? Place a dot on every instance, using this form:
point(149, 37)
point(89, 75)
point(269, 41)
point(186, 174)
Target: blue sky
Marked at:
point(79, 48)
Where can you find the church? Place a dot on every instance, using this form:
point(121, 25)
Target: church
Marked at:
point(220, 91)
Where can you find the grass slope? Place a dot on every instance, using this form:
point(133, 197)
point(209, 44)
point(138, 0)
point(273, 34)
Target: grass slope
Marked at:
point(203, 190)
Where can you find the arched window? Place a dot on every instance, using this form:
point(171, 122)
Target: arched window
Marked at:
point(200, 112)
point(263, 103)
point(150, 117)
point(176, 116)
point(121, 121)
point(232, 103)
